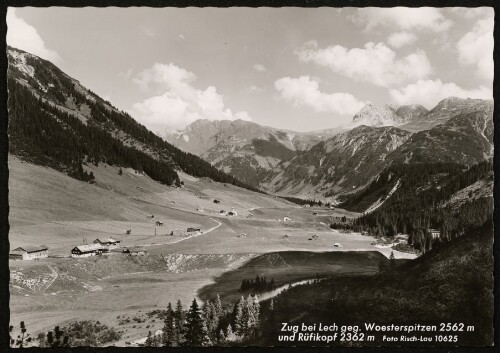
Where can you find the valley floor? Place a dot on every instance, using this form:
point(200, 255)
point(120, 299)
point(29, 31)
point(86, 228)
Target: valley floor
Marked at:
point(50, 208)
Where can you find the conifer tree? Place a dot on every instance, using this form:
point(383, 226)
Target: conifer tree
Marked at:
point(230, 335)
point(211, 320)
point(180, 320)
point(196, 335)
point(218, 306)
point(170, 330)
point(222, 337)
point(239, 319)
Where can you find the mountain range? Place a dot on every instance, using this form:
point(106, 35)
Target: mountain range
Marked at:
point(330, 162)
point(318, 164)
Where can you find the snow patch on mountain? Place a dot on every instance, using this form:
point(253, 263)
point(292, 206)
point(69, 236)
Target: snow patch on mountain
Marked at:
point(380, 201)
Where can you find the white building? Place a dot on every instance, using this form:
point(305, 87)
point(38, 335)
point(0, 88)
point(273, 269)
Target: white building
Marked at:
point(29, 253)
point(435, 233)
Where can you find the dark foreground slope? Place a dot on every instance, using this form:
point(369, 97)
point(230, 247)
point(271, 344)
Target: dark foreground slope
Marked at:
point(451, 284)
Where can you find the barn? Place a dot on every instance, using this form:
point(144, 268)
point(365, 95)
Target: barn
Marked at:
point(109, 243)
point(137, 251)
point(29, 253)
point(88, 250)
point(191, 230)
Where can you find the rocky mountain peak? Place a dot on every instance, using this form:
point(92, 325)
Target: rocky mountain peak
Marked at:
point(376, 115)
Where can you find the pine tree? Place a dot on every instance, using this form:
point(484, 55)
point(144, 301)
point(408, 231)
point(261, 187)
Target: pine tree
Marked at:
point(250, 316)
point(230, 335)
point(256, 312)
point(170, 330)
point(218, 306)
point(196, 335)
point(211, 320)
point(239, 320)
point(180, 321)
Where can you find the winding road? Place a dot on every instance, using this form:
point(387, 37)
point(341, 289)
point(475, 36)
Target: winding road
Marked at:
point(186, 238)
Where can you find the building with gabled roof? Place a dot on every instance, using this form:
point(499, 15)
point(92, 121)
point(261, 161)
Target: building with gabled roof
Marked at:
point(109, 243)
point(29, 253)
point(88, 250)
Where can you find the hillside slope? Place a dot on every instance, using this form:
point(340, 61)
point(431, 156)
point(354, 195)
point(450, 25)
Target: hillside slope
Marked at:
point(413, 198)
point(48, 207)
point(55, 121)
point(343, 162)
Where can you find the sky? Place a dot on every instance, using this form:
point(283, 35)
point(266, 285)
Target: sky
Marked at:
point(290, 68)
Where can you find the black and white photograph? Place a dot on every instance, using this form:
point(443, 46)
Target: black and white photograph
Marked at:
point(250, 177)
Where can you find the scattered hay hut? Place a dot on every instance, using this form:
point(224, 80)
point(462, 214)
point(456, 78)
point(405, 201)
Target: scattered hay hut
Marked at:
point(135, 251)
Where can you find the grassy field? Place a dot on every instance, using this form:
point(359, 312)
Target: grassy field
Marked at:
point(47, 207)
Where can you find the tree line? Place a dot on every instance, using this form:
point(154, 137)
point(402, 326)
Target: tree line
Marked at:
point(261, 284)
point(208, 326)
point(302, 202)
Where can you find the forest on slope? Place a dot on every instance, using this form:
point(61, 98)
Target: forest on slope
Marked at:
point(419, 203)
point(47, 127)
